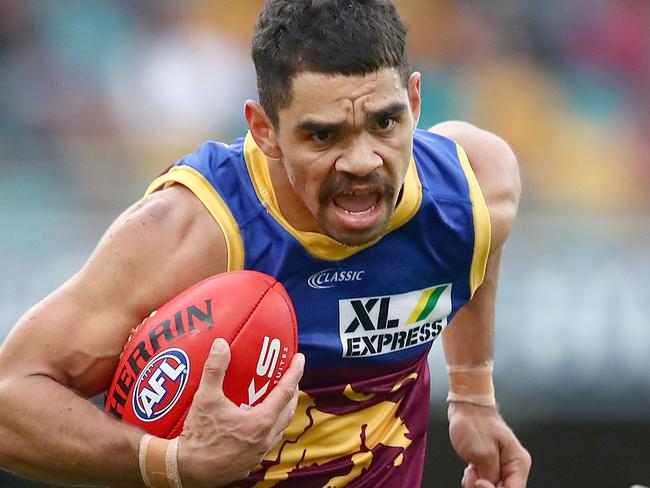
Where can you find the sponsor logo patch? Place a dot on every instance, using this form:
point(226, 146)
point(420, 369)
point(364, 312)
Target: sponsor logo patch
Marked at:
point(160, 384)
point(371, 326)
point(328, 278)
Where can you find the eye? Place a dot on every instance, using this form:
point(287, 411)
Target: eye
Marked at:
point(386, 124)
point(322, 136)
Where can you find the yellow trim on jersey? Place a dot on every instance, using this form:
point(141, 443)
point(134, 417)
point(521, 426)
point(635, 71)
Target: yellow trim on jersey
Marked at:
point(482, 228)
point(321, 245)
point(201, 187)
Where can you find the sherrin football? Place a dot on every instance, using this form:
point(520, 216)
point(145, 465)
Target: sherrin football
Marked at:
point(161, 365)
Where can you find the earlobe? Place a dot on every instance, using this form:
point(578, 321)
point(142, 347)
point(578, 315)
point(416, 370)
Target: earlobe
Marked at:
point(262, 129)
point(415, 97)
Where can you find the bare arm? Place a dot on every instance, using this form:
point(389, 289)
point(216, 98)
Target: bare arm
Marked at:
point(66, 347)
point(478, 433)
point(469, 340)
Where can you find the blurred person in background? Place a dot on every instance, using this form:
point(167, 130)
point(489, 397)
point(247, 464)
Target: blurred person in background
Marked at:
point(333, 170)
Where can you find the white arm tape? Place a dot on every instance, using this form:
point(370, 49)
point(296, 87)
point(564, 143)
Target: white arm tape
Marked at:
point(158, 460)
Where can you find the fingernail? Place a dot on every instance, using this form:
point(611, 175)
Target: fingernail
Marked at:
point(219, 346)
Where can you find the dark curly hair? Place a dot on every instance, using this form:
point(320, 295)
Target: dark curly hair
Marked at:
point(349, 37)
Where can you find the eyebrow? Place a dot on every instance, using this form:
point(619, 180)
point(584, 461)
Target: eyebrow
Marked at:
point(314, 126)
point(393, 110)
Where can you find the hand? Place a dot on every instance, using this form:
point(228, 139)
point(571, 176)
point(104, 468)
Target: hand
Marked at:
point(220, 442)
point(494, 455)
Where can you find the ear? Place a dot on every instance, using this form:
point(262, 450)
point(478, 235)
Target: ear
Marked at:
point(262, 129)
point(415, 97)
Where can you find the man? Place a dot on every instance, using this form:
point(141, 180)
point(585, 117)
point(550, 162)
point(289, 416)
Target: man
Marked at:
point(381, 234)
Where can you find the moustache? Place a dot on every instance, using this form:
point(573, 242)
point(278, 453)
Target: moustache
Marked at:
point(340, 182)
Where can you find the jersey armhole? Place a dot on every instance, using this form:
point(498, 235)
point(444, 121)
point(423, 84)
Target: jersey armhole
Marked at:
point(482, 227)
point(206, 193)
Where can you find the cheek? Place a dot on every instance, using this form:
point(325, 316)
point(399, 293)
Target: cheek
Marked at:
point(397, 156)
point(306, 180)
point(312, 185)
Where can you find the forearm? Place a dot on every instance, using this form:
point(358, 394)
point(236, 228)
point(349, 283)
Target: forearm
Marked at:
point(49, 433)
point(470, 344)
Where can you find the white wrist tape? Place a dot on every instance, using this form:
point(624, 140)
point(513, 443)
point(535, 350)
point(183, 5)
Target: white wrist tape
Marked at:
point(486, 368)
point(472, 383)
point(158, 460)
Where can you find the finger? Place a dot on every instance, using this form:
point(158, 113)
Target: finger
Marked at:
point(277, 439)
point(484, 484)
point(214, 369)
point(287, 414)
point(514, 473)
point(285, 390)
point(486, 458)
point(487, 465)
point(469, 477)
point(515, 478)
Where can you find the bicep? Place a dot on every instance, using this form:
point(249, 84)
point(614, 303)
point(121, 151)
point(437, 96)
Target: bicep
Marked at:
point(156, 249)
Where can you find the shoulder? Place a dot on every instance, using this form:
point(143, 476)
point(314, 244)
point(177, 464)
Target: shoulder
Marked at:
point(175, 213)
point(169, 238)
point(170, 211)
point(497, 171)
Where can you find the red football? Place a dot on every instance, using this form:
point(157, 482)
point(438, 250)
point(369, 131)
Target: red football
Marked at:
point(161, 365)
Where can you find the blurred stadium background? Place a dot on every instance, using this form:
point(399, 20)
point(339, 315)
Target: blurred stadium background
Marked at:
point(97, 97)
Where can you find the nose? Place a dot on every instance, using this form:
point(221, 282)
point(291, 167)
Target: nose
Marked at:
point(358, 158)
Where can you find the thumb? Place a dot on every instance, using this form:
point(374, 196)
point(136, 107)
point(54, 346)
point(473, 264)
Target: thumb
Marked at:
point(215, 366)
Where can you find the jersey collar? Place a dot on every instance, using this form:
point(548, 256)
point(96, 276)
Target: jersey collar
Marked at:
point(320, 245)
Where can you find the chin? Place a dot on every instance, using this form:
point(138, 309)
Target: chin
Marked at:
point(355, 238)
point(354, 241)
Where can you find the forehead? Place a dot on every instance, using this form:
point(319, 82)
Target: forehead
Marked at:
point(332, 95)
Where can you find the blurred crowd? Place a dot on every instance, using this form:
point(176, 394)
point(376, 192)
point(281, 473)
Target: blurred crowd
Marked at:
point(108, 92)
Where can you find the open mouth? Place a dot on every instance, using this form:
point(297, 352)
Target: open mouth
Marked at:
point(357, 211)
point(357, 203)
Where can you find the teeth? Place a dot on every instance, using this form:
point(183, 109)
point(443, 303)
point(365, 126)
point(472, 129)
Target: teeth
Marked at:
point(362, 212)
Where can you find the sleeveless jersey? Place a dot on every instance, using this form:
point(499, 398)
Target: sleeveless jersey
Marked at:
point(367, 315)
